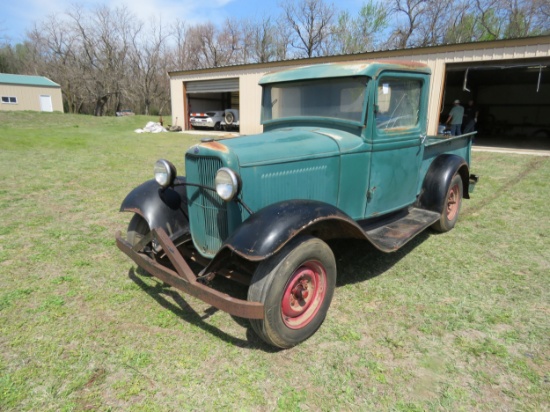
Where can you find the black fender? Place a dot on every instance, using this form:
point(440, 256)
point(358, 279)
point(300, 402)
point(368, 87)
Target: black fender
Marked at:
point(265, 232)
point(165, 208)
point(438, 179)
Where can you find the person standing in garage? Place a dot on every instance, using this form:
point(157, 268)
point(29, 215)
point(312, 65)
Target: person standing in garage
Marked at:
point(471, 112)
point(455, 118)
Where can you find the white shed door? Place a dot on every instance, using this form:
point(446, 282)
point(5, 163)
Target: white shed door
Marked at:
point(46, 103)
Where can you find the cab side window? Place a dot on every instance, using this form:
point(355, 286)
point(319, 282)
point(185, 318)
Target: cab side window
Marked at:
point(398, 103)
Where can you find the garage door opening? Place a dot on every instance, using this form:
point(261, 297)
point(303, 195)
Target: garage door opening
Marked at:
point(513, 99)
point(213, 103)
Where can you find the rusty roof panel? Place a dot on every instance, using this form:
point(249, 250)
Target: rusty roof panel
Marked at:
point(343, 69)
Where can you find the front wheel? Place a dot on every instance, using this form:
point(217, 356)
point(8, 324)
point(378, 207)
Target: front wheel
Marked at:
point(296, 287)
point(451, 208)
point(138, 228)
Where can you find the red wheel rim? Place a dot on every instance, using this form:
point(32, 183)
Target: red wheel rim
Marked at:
point(453, 202)
point(303, 294)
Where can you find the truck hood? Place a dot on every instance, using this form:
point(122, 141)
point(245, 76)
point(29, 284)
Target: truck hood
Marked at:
point(289, 144)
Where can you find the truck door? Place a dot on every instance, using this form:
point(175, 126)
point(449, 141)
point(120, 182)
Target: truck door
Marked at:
point(398, 133)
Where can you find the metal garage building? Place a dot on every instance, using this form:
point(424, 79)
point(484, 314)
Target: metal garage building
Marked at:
point(37, 93)
point(508, 79)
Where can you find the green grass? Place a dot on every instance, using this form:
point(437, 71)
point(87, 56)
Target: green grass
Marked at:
point(457, 321)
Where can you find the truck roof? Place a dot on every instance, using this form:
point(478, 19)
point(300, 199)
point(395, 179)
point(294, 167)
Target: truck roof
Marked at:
point(362, 68)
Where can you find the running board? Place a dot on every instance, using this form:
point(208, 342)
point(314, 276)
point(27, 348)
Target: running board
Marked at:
point(390, 235)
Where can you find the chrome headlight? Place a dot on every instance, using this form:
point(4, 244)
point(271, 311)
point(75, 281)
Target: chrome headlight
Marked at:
point(227, 183)
point(165, 173)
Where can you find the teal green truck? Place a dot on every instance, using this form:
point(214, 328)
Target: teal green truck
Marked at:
point(344, 155)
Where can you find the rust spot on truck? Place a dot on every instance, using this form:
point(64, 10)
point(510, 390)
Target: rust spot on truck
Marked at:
point(405, 63)
point(217, 146)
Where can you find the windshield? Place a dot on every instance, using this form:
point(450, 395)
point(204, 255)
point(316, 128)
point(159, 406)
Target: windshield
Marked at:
point(340, 98)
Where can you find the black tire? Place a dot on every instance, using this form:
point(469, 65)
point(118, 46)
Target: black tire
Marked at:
point(451, 208)
point(296, 287)
point(218, 126)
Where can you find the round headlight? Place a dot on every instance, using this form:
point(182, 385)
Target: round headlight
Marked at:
point(165, 172)
point(227, 183)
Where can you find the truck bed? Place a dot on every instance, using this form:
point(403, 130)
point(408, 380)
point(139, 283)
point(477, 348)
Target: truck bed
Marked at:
point(435, 145)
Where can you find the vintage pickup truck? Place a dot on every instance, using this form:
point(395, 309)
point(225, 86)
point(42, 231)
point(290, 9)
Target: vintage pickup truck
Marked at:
point(344, 154)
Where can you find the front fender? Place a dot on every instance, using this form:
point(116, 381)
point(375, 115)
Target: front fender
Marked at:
point(160, 208)
point(438, 179)
point(265, 232)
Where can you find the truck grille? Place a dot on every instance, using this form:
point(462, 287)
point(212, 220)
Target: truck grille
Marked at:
point(208, 218)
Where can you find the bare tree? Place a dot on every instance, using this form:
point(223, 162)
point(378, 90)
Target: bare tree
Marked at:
point(207, 46)
point(177, 54)
point(283, 39)
point(464, 27)
point(260, 39)
point(14, 58)
point(434, 21)
point(310, 22)
point(410, 14)
point(543, 7)
point(488, 12)
point(105, 37)
point(230, 40)
point(522, 18)
point(148, 64)
point(513, 18)
point(360, 33)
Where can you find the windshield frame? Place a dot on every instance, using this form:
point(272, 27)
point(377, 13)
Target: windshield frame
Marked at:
point(267, 91)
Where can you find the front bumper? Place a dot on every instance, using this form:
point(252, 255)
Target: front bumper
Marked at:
point(184, 279)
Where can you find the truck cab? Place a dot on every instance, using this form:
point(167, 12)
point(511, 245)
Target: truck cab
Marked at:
point(344, 154)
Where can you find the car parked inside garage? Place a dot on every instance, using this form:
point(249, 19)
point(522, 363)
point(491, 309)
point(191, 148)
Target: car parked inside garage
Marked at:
point(211, 119)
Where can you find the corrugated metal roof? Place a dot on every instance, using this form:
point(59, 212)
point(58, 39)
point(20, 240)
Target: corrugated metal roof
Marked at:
point(24, 80)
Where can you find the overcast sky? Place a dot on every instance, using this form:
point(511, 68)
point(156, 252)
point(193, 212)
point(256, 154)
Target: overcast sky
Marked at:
point(18, 16)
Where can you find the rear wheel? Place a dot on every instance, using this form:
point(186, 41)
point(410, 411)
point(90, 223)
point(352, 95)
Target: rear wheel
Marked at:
point(296, 287)
point(451, 208)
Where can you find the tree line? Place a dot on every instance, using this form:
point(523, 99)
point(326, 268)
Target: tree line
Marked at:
point(106, 59)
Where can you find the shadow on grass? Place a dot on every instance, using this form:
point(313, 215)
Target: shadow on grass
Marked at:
point(184, 311)
point(359, 261)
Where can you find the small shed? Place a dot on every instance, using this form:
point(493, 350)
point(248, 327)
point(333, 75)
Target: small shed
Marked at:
point(36, 93)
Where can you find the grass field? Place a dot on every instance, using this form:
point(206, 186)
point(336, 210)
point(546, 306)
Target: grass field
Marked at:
point(457, 321)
